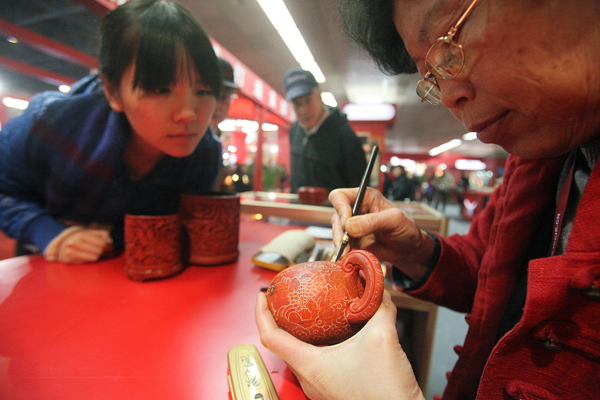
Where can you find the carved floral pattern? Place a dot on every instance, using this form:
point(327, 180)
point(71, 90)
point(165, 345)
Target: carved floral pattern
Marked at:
point(152, 246)
point(213, 224)
point(323, 302)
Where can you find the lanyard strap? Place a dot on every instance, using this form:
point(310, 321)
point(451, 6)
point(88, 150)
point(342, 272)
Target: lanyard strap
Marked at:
point(561, 206)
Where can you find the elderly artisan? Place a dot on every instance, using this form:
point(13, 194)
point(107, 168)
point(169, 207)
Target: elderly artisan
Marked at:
point(523, 75)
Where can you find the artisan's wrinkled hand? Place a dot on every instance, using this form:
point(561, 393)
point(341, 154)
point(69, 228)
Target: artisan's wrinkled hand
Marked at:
point(382, 229)
point(77, 245)
point(369, 365)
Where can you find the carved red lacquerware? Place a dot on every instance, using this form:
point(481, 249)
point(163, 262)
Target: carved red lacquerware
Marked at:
point(323, 302)
point(152, 246)
point(212, 222)
point(312, 195)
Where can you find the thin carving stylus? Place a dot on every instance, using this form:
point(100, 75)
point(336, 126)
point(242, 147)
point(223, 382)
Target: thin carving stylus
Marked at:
point(361, 193)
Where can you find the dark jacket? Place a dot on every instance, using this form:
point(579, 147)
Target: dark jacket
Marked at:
point(333, 157)
point(402, 188)
point(554, 350)
point(62, 161)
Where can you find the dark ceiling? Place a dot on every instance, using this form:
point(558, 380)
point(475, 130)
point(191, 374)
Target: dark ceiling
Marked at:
point(64, 21)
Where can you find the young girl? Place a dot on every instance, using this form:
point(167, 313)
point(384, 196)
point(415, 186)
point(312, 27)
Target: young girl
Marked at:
point(127, 140)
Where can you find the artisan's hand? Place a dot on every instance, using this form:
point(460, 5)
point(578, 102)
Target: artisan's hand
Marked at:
point(77, 245)
point(382, 229)
point(369, 365)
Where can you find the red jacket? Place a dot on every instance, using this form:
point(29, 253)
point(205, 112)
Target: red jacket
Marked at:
point(554, 351)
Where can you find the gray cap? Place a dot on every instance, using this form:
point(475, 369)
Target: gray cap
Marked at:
point(227, 72)
point(298, 82)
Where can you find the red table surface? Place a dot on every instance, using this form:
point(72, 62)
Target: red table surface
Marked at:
point(89, 332)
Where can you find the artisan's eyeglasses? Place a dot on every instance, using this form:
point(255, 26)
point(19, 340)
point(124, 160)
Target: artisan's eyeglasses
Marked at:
point(445, 59)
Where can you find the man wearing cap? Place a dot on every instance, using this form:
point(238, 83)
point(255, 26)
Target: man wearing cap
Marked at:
point(324, 149)
point(230, 89)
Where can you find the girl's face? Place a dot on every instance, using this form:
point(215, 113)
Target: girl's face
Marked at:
point(526, 85)
point(168, 121)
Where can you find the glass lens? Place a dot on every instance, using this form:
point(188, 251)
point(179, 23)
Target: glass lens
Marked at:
point(445, 59)
point(429, 92)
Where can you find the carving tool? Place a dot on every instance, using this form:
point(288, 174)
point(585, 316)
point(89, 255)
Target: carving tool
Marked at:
point(359, 198)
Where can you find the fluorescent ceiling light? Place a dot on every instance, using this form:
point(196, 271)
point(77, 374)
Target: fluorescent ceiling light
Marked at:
point(470, 136)
point(444, 147)
point(281, 19)
point(19, 104)
point(269, 127)
point(405, 162)
point(469, 165)
point(329, 99)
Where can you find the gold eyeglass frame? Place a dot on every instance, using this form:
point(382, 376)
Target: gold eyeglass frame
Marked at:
point(447, 40)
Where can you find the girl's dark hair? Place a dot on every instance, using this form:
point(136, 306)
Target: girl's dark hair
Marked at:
point(155, 32)
point(370, 24)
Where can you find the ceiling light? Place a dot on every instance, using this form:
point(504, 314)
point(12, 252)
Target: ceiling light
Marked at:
point(269, 127)
point(444, 147)
point(329, 99)
point(469, 165)
point(283, 22)
point(64, 88)
point(12, 39)
point(470, 136)
point(227, 126)
point(11, 102)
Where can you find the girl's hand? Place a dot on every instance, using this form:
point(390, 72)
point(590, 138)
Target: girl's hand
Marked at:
point(77, 245)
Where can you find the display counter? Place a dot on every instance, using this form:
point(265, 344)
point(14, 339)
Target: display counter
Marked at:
point(287, 205)
point(89, 332)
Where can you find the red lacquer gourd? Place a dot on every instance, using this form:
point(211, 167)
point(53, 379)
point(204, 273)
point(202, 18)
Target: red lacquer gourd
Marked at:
point(323, 302)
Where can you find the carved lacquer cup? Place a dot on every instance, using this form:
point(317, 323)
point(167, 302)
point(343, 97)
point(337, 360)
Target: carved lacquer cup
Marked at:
point(212, 223)
point(152, 246)
point(323, 302)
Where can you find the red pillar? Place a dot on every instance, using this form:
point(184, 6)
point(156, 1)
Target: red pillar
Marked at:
point(258, 181)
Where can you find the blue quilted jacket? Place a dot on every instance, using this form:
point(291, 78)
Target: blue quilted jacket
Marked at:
point(62, 161)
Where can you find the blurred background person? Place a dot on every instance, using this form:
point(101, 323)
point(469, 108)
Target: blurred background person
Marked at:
point(402, 186)
point(387, 182)
point(325, 151)
point(461, 188)
point(229, 92)
point(444, 185)
point(428, 188)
